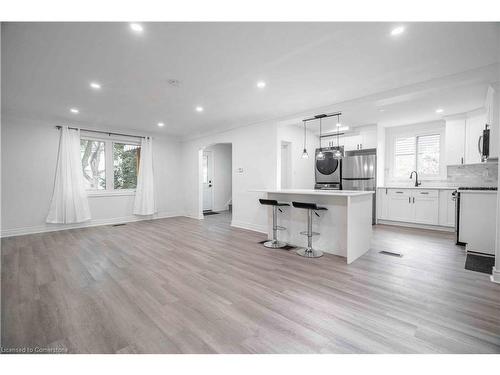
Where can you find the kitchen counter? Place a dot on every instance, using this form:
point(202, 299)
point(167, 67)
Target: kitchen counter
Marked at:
point(420, 187)
point(345, 228)
point(336, 193)
point(477, 191)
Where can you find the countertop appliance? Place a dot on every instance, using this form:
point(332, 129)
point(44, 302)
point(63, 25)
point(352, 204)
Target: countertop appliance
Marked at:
point(359, 169)
point(328, 169)
point(475, 218)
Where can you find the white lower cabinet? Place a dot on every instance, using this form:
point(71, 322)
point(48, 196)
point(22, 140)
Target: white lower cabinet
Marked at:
point(425, 206)
point(400, 208)
point(419, 206)
point(447, 209)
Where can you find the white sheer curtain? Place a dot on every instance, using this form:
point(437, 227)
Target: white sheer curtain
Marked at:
point(69, 200)
point(144, 203)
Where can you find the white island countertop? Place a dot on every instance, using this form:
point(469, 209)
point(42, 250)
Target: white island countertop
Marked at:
point(343, 229)
point(330, 193)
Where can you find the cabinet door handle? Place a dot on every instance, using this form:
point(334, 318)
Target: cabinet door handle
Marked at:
point(424, 192)
point(413, 199)
point(409, 200)
point(462, 159)
point(399, 192)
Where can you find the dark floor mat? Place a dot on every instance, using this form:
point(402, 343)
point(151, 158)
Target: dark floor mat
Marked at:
point(479, 263)
point(207, 213)
point(287, 247)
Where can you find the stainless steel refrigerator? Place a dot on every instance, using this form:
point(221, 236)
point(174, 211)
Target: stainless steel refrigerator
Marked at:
point(359, 170)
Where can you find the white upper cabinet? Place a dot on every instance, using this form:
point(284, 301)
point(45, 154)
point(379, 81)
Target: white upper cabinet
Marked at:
point(455, 141)
point(492, 117)
point(365, 137)
point(474, 126)
point(369, 138)
point(351, 142)
point(462, 138)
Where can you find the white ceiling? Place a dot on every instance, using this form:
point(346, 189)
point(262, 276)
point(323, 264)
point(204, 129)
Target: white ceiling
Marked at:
point(47, 67)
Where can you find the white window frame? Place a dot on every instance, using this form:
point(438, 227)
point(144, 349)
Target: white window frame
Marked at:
point(418, 130)
point(108, 155)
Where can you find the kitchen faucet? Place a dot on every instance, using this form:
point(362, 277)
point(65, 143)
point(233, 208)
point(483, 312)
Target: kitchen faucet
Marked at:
point(416, 178)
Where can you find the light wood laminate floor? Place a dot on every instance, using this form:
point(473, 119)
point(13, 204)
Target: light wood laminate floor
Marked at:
point(181, 285)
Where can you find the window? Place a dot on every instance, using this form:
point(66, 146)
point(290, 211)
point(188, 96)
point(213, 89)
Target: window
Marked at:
point(109, 165)
point(420, 153)
point(125, 165)
point(93, 164)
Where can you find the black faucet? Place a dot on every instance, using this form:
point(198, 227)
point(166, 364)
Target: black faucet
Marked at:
point(416, 178)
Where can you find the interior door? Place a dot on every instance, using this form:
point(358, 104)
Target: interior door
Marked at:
point(207, 170)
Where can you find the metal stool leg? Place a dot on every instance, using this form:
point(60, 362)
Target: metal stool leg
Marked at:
point(309, 252)
point(274, 243)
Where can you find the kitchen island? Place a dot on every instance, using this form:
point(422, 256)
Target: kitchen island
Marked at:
point(345, 228)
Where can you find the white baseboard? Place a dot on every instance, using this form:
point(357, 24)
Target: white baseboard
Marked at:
point(250, 226)
point(91, 223)
point(415, 225)
point(495, 276)
point(194, 216)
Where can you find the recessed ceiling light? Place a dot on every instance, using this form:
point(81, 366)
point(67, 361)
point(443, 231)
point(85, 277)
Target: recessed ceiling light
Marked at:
point(339, 124)
point(74, 110)
point(342, 128)
point(381, 110)
point(95, 85)
point(199, 109)
point(137, 27)
point(161, 124)
point(261, 84)
point(439, 110)
point(397, 30)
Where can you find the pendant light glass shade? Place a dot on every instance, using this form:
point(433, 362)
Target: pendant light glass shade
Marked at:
point(320, 155)
point(305, 155)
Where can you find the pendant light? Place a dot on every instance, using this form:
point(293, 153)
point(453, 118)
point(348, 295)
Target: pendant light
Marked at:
point(305, 155)
point(320, 155)
point(337, 154)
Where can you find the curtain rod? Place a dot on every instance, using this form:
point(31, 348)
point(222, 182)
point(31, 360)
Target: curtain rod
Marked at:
point(317, 117)
point(103, 132)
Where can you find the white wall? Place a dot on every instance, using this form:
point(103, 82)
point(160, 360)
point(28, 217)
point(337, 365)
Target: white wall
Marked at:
point(222, 175)
point(29, 153)
point(302, 170)
point(381, 155)
point(254, 167)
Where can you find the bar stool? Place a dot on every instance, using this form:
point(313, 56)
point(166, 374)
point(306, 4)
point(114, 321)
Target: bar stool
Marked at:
point(274, 243)
point(309, 252)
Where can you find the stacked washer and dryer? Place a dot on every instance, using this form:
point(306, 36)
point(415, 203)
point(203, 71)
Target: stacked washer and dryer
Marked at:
point(355, 171)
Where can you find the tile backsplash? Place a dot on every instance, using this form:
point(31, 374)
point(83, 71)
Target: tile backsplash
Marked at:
point(483, 174)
